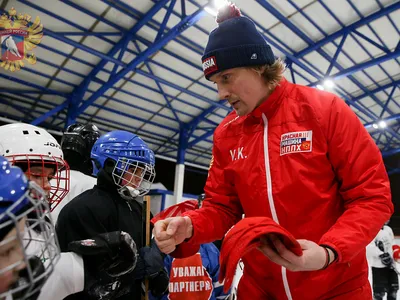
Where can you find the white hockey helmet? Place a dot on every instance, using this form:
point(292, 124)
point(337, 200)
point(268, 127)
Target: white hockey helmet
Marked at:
point(27, 146)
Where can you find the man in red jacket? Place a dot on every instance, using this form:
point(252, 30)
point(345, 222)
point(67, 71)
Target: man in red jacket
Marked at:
point(292, 153)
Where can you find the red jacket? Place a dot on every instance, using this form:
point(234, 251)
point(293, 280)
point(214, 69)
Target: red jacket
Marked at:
point(304, 159)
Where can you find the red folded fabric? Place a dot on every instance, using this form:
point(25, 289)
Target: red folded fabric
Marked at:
point(175, 210)
point(244, 237)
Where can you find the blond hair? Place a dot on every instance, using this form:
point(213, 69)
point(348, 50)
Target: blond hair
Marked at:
point(272, 74)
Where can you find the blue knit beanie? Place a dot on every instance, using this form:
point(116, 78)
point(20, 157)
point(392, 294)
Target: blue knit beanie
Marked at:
point(234, 43)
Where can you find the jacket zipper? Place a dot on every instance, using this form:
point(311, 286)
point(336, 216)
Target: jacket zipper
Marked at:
point(271, 198)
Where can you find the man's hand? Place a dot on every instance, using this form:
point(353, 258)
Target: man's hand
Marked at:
point(171, 232)
point(313, 258)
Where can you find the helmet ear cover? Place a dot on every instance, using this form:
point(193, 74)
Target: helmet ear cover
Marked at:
point(109, 165)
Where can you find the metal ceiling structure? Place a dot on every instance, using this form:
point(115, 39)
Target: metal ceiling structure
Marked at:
point(135, 65)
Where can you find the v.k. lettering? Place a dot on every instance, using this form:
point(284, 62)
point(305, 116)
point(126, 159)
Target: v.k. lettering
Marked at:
point(237, 154)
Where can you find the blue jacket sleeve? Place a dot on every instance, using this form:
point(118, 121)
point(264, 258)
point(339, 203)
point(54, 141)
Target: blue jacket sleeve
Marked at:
point(210, 256)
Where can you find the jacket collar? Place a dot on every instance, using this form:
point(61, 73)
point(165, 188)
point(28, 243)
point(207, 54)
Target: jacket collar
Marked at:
point(106, 183)
point(271, 104)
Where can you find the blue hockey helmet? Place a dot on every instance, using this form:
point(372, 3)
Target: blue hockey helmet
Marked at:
point(23, 210)
point(129, 160)
point(13, 187)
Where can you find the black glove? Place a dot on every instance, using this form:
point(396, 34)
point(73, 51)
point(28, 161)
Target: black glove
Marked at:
point(158, 285)
point(112, 252)
point(107, 258)
point(101, 286)
point(30, 289)
point(386, 259)
point(150, 266)
point(153, 260)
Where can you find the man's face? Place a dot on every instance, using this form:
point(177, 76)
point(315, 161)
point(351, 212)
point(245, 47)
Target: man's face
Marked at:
point(244, 89)
point(11, 252)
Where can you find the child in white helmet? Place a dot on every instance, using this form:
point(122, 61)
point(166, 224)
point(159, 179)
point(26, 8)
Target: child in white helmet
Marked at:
point(39, 155)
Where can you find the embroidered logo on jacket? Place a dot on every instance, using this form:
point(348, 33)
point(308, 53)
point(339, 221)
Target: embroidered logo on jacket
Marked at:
point(293, 142)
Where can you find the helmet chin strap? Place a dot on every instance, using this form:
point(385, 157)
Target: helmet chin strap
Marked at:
point(128, 192)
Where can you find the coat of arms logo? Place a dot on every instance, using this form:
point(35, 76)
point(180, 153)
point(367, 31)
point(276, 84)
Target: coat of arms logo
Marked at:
point(18, 37)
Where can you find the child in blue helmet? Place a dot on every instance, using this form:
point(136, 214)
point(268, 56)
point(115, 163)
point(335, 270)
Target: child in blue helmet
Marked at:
point(23, 207)
point(124, 166)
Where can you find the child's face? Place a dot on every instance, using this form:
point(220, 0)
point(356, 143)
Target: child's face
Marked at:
point(41, 176)
point(132, 177)
point(11, 252)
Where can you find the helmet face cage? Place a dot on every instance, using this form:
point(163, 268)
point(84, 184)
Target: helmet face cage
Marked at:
point(38, 243)
point(135, 174)
point(56, 183)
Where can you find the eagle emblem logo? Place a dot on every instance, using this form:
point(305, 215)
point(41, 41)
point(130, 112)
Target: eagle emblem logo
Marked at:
point(18, 37)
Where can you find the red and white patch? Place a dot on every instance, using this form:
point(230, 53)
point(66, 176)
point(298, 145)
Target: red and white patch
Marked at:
point(189, 279)
point(295, 142)
point(210, 65)
point(88, 242)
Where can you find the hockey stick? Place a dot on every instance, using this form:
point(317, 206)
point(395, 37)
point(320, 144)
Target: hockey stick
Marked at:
point(393, 266)
point(146, 234)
